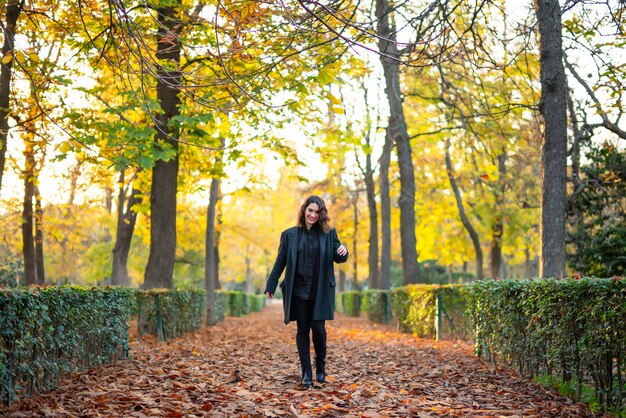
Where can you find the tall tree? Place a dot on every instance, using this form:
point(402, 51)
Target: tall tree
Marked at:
point(28, 238)
point(553, 108)
point(39, 244)
point(464, 219)
point(391, 58)
point(126, 219)
point(385, 212)
point(165, 172)
point(209, 269)
point(12, 10)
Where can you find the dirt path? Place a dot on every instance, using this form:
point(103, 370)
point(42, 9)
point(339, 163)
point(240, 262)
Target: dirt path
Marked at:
point(247, 367)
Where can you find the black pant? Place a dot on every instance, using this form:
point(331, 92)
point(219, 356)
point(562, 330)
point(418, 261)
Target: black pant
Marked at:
point(303, 310)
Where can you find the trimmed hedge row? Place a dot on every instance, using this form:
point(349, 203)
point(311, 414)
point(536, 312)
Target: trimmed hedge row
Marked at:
point(424, 310)
point(349, 303)
point(377, 305)
point(169, 313)
point(46, 333)
point(240, 303)
point(572, 329)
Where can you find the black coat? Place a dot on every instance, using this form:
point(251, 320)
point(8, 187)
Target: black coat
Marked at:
point(287, 257)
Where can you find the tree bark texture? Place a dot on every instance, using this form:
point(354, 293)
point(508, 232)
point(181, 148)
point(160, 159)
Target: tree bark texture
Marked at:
point(385, 213)
point(216, 245)
point(355, 218)
point(553, 108)
point(160, 267)
point(39, 254)
point(497, 227)
point(13, 8)
point(464, 219)
point(209, 269)
point(372, 256)
point(28, 240)
point(398, 131)
point(126, 219)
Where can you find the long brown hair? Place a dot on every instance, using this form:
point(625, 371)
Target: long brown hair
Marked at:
point(324, 221)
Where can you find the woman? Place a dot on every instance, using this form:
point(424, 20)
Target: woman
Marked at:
point(308, 252)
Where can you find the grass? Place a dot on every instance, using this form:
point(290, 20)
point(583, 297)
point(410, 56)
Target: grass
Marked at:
point(570, 390)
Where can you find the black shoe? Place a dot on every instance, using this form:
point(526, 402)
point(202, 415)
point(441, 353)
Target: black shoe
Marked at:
point(320, 377)
point(306, 382)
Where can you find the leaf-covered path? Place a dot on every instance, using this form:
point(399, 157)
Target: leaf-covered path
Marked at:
point(247, 367)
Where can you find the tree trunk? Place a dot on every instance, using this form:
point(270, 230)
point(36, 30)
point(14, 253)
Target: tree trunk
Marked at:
point(249, 278)
point(372, 256)
point(160, 266)
point(342, 280)
point(209, 269)
point(464, 219)
point(385, 213)
point(355, 258)
point(39, 256)
point(74, 175)
point(28, 241)
point(553, 109)
point(216, 246)
point(108, 198)
point(497, 228)
point(398, 131)
point(126, 219)
point(13, 8)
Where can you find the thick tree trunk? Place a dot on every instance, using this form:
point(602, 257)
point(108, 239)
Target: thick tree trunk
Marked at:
point(126, 219)
point(28, 241)
point(398, 130)
point(13, 8)
point(385, 213)
point(210, 261)
point(216, 246)
point(372, 256)
point(553, 108)
point(464, 219)
point(497, 228)
point(354, 255)
point(160, 266)
point(39, 255)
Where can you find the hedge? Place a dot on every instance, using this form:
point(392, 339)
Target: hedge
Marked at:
point(256, 302)
point(425, 310)
point(221, 301)
point(572, 329)
point(377, 305)
point(351, 303)
point(47, 333)
point(238, 303)
point(169, 313)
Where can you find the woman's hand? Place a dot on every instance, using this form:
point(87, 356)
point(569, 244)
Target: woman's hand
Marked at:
point(269, 295)
point(342, 250)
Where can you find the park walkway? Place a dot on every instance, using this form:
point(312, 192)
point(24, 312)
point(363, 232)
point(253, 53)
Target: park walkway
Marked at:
point(247, 367)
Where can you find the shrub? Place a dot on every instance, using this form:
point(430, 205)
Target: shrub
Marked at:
point(169, 313)
point(238, 303)
point(257, 302)
point(351, 303)
point(377, 304)
point(424, 309)
point(47, 333)
point(571, 329)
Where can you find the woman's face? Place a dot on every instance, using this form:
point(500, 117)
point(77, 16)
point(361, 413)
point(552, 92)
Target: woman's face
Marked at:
point(311, 214)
